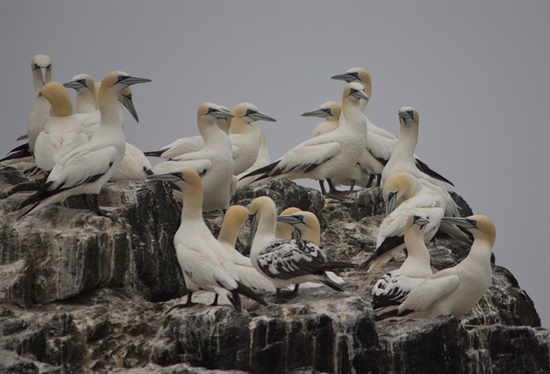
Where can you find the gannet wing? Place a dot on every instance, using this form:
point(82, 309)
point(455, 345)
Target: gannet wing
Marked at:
point(429, 291)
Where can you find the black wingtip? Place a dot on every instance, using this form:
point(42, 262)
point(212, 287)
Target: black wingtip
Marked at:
point(264, 170)
point(235, 300)
point(245, 291)
point(423, 167)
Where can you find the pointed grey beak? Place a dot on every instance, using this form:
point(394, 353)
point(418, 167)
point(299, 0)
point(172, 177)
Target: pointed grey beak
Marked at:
point(319, 113)
point(347, 77)
point(258, 116)
point(390, 204)
point(420, 221)
point(406, 115)
point(129, 80)
point(359, 94)
point(126, 100)
point(168, 177)
point(463, 222)
point(22, 137)
point(43, 74)
point(75, 85)
point(221, 114)
point(290, 219)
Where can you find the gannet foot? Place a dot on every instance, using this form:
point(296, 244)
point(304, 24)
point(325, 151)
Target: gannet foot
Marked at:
point(187, 304)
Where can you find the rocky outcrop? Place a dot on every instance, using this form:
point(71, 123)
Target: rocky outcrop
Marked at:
point(82, 293)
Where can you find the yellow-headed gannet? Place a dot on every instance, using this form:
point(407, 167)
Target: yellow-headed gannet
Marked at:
point(86, 169)
point(392, 289)
point(62, 132)
point(190, 144)
point(233, 220)
point(456, 290)
point(134, 164)
point(380, 143)
point(330, 155)
point(330, 111)
point(214, 162)
point(245, 136)
point(285, 230)
point(204, 262)
point(415, 199)
point(286, 261)
point(262, 160)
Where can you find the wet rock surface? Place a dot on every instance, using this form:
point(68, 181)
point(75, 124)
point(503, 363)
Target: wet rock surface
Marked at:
point(81, 293)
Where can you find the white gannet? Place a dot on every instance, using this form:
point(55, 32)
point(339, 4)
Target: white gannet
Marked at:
point(380, 143)
point(262, 160)
point(189, 144)
point(290, 261)
point(393, 287)
point(62, 132)
point(330, 111)
point(134, 164)
point(456, 290)
point(41, 74)
point(233, 220)
point(204, 262)
point(402, 159)
point(86, 169)
point(245, 136)
point(214, 162)
point(415, 199)
point(326, 156)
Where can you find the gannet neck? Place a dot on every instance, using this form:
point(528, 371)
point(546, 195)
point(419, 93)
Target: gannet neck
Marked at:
point(191, 187)
point(266, 211)
point(107, 101)
point(351, 106)
point(85, 87)
point(41, 66)
point(312, 230)
point(59, 99)
point(209, 116)
point(233, 220)
point(414, 242)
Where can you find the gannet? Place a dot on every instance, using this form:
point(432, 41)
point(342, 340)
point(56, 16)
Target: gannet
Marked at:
point(326, 156)
point(214, 162)
point(380, 143)
point(290, 261)
point(262, 160)
point(245, 136)
point(414, 198)
point(204, 262)
point(87, 168)
point(456, 290)
point(41, 74)
point(402, 159)
point(330, 111)
point(189, 144)
point(285, 230)
point(233, 220)
point(134, 164)
point(392, 289)
point(62, 132)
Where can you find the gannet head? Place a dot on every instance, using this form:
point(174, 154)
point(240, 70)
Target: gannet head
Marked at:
point(81, 81)
point(59, 99)
point(125, 99)
point(238, 213)
point(249, 113)
point(121, 79)
point(302, 221)
point(356, 74)
point(225, 123)
point(42, 65)
point(183, 178)
point(415, 222)
point(329, 110)
point(212, 111)
point(408, 115)
point(398, 188)
point(480, 227)
point(355, 90)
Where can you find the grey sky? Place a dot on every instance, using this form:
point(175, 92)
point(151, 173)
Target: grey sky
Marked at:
point(478, 73)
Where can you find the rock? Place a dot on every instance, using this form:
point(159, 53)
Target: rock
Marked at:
point(82, 293)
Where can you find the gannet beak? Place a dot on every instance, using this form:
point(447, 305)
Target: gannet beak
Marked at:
point(347, 77)
point(420, 221)
point(75, 85)
point(43, 72)
point(126, 100)
point(169, 177)
point(358, 94)
point(390, 204)
point(129, 80)
point(406, 114)
point(219, 113)
point(258, 116)
point(322, 113)
point(466, 223)
point(290, 219)
point(22, 137)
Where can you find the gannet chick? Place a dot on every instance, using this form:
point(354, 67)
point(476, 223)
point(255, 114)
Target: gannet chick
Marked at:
point(245, 136)
point(330, 111)
point(456, 290)
point(380, 143)
point(403, 160)
point(286, 262)
point(86, 169)
point(392, 289)
point(204, 262)
point(214, 162)
point(189, 144)
point(415, 199)
point(262, 160)
point(326, 156)
point(62, 132)
point(233, 220)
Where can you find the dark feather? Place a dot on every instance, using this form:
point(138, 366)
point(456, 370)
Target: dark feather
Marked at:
point(426, 170)
point(387, 245)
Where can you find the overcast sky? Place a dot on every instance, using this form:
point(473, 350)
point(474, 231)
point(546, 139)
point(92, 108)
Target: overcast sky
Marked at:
point(478, 73)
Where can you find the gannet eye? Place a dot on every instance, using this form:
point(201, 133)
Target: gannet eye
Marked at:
point(355, 74)
point(249, 112)
point(179, 174)
point(327, 111)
